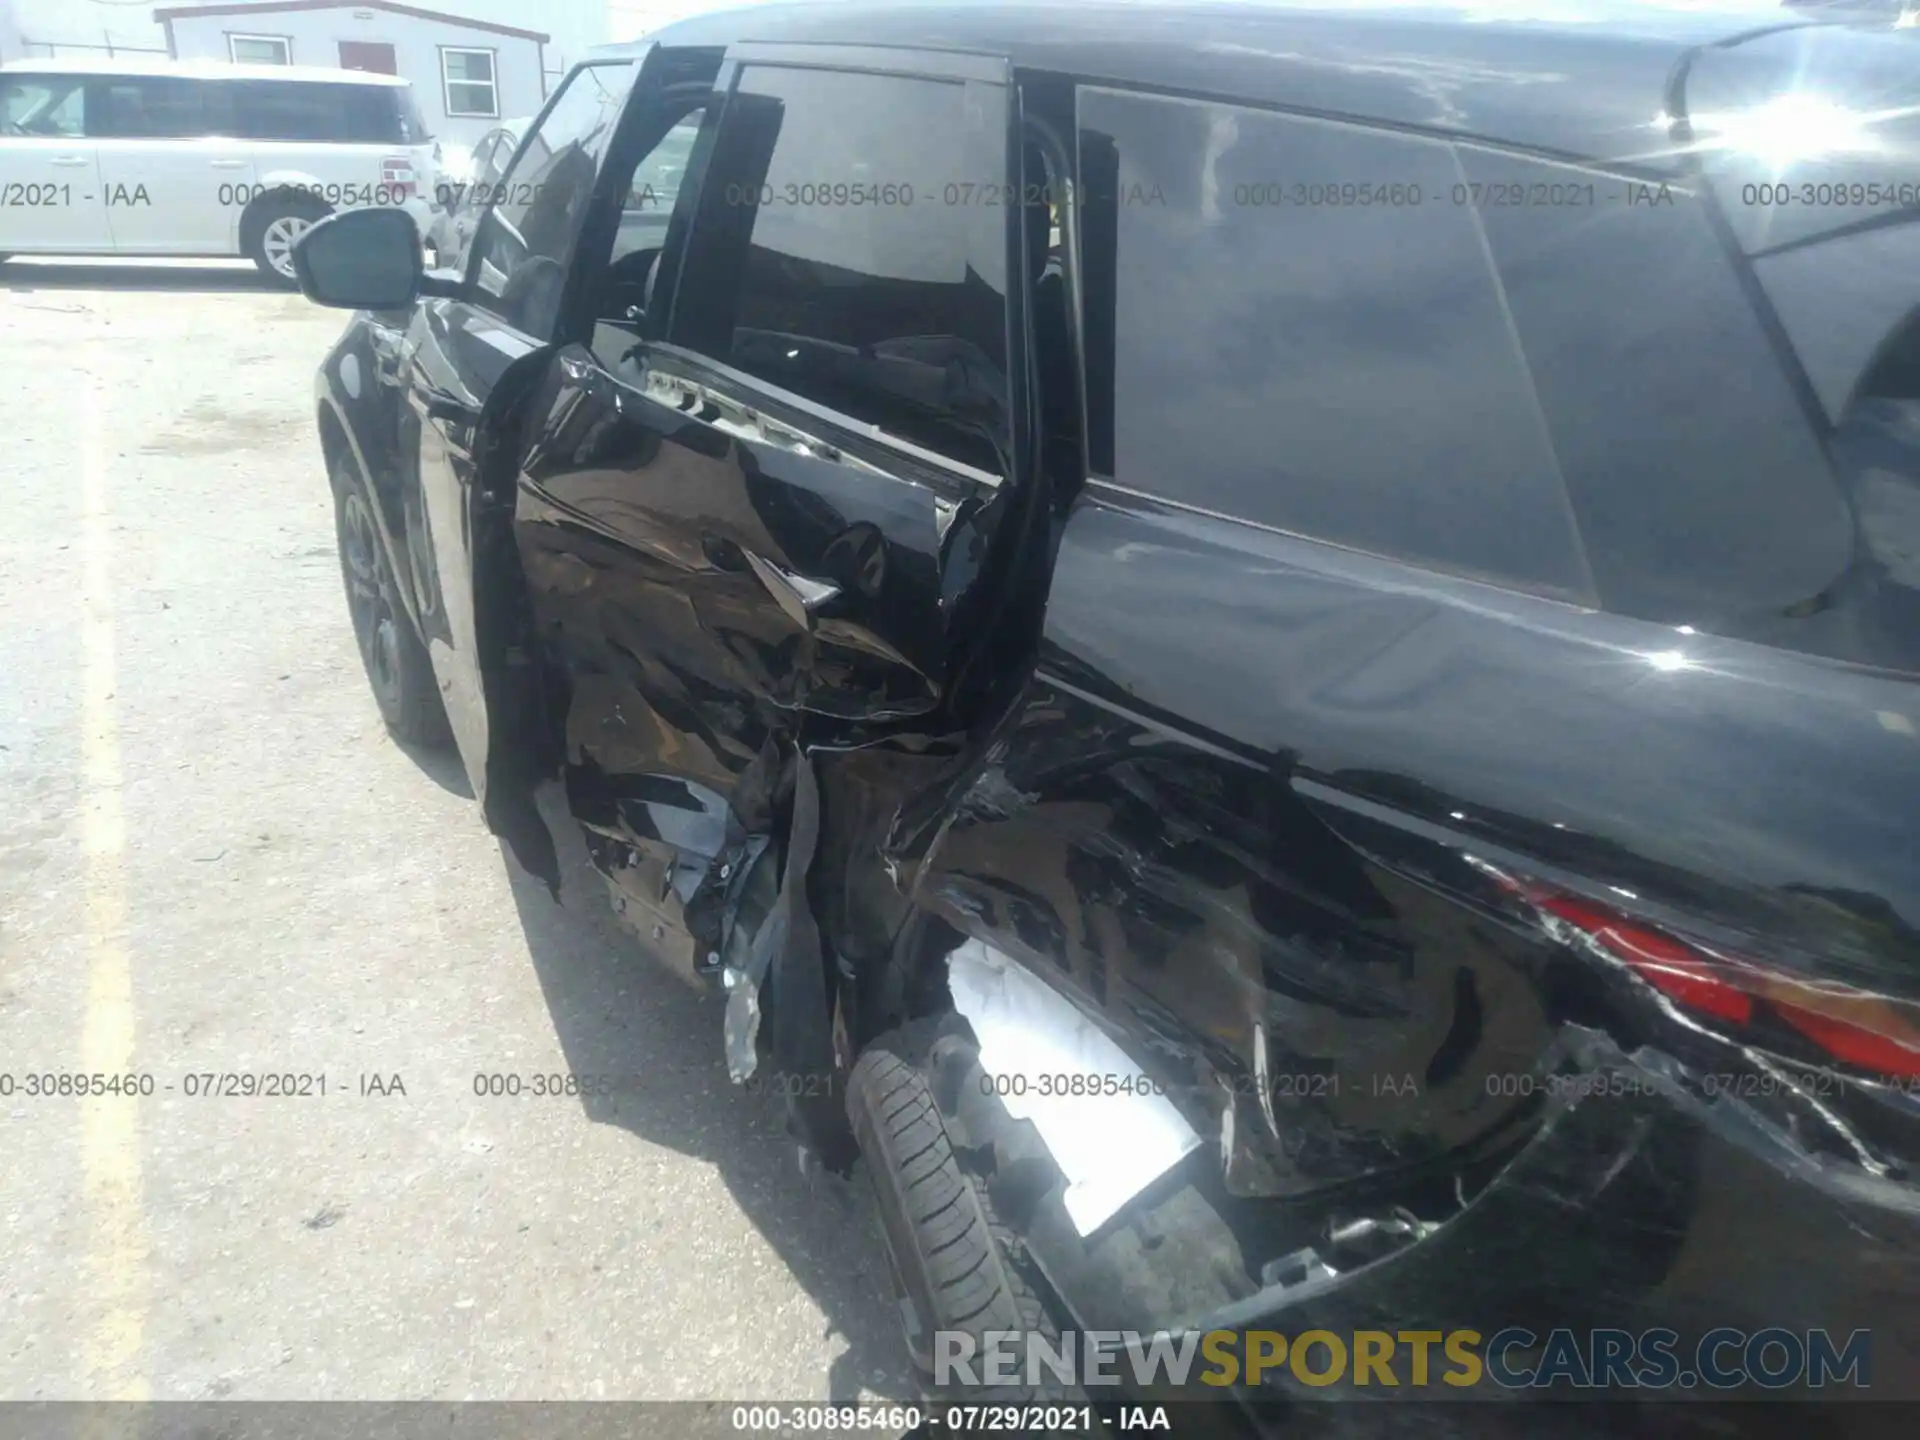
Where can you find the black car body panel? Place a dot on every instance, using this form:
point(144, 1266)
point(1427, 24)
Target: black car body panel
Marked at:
point(1532, 852)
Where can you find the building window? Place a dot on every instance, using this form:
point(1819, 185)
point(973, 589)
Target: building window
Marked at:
point(260, 49)
point(467, 77)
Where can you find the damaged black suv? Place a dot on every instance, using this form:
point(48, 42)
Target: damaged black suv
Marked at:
point(1272, 651)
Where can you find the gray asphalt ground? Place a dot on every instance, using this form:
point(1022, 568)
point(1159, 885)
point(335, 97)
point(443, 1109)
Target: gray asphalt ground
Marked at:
point(213, 860)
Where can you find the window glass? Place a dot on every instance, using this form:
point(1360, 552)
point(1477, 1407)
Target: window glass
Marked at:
point(259, 49)
point(320, 111)
point(490, 157)
point(1340, 370)
point(52, 105)
point(836, 255)
point(656, 181)
point(525, 242)
point(397, 102)
point(1695, 471)
point(1841, 301)
point(153, 107)
point(469, 81)
point(624, 291)
point(1810, 140)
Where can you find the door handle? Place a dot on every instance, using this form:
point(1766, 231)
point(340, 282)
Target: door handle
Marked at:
point(71, 162)
point(801, 596)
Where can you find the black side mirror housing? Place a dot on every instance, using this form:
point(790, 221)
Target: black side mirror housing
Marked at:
point(364, 260)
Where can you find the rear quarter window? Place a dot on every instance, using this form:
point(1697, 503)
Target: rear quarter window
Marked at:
point(1694, 462)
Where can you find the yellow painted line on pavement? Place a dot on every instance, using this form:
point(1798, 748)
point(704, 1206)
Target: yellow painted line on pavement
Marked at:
point(114, 1265)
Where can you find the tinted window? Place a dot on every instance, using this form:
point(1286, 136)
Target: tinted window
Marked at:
point(1340, 370)
point(155, 107)
point(525, 242)
point(324, 112)
point(656, 181)
point(1695, 470)
point(1812, 147)
point(624, 288)
point(43, 105)
point(830, 256)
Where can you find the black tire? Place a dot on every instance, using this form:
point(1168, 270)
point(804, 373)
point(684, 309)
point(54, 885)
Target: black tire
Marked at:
point(954, 1266)
point(396, 664)
point(259, 221)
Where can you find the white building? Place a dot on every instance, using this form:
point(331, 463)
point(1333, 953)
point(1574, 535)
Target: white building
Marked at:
point(468, 75)
point(88, 29)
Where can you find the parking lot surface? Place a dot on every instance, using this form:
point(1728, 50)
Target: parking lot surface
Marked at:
point(214, 862)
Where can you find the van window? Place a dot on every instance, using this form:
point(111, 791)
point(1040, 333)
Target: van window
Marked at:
point(51, 105)
point(836, 254)
point(322, 111)
point(155, 107)
point(1289, 352)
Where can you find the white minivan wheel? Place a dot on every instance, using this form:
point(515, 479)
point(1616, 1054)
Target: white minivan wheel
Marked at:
point(269, 231)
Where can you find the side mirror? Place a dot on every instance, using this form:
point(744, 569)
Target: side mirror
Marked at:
point(361, 260)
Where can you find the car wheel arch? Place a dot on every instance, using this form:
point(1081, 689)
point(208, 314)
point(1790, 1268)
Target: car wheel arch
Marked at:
point(347, 464)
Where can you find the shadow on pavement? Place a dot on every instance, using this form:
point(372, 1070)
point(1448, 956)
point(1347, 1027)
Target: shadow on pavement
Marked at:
point(441, 765)
point(26, 276)
point(617, 1010)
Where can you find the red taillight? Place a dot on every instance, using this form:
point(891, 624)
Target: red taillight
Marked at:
point(1674, 969)
point(396, 175)
point(1869, 1032)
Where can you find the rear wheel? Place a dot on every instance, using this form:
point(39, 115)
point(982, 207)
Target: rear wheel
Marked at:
point(271, 227)
point(954, 1267)
point(398, 670)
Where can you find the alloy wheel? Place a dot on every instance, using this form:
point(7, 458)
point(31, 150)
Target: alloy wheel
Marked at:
point(277, 241)
point(370, 595)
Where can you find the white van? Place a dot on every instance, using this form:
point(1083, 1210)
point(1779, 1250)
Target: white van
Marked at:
point(199, 157)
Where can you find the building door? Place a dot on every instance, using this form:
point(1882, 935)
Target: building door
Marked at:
point(373, 56)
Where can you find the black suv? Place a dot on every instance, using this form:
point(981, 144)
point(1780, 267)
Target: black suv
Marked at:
point(1346, 579)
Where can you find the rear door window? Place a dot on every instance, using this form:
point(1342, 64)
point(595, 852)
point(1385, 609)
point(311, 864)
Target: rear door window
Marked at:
point(844, 250)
